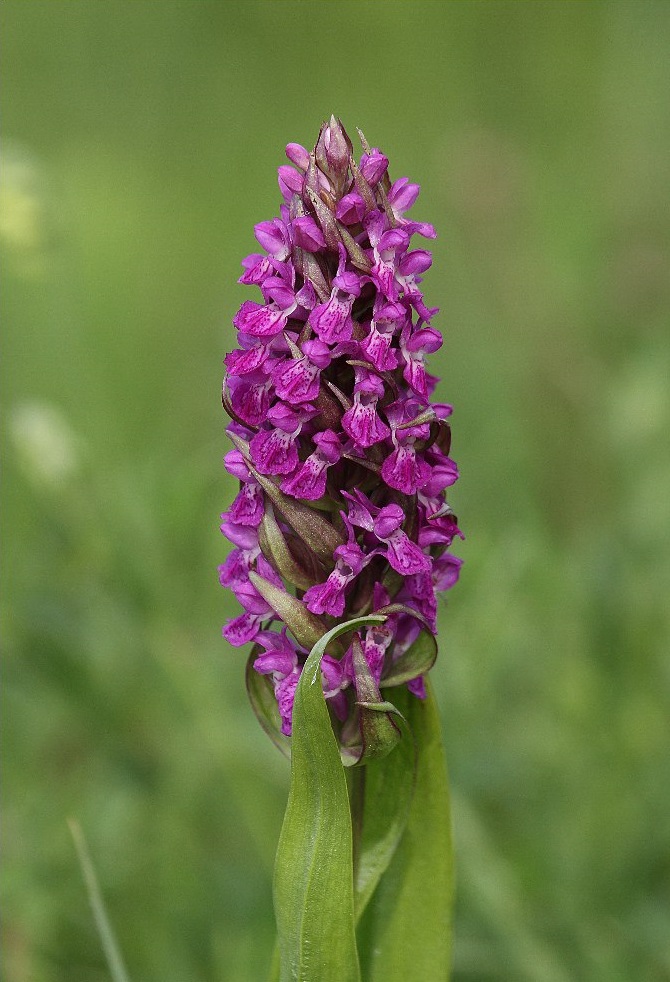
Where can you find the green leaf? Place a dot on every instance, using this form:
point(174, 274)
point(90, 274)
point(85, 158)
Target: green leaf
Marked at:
point(417, 660)
point(381, 800)
point(406, 930)
point(313, 881)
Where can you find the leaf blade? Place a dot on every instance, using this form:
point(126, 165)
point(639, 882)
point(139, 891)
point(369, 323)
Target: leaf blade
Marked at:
point(406, 930)
point(313, 881)
point(387, 791)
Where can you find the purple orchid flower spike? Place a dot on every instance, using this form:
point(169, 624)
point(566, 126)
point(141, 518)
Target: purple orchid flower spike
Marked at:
point(342, 458)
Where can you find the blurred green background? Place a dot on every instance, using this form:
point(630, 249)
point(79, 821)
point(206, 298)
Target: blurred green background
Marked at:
point(140, 147)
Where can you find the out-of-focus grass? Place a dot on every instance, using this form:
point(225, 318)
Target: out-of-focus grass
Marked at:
point(140, 144)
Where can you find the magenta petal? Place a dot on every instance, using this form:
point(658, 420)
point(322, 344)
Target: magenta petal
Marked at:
point(363, 424)
point(405, 471)
point(328, 597)
point(405, 556)
point(244, 362)
point(274, 452)
point(415, 262)
point(446, 571)
point(377, 347)
point(309, 481)
point(247, 508)
point(403, 195)
point(351, 208)
point(374, 165)
point(281, 661)
point(285, 693)
point(332, 320)
point(257, 268)
point(242, 629)
point(298, 155)
point(307, 233)
point(260, 320)
point(273, 236)
point(250, 402)
point(296, 381)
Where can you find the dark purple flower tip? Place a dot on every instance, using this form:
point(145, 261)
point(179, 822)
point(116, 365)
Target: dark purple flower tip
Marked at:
point(236, 465)
point(388, 520)
point(290, 182)
point(307, 234)
point(274, 237)
point(417, 687)
point(256, 269)
point(374, 165)
point(318, 352)
point(351, 208)
point(298, 155)
point(402, 195)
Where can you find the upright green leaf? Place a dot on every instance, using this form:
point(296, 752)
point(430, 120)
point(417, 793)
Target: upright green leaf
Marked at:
point(383, 795)
point(406, 930)
point(313, 882)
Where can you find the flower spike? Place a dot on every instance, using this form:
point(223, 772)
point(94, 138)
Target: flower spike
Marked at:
point(340, 453)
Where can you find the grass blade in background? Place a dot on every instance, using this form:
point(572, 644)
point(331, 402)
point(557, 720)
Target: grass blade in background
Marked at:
point(117, 969)
point(313, 882)
point(406, 931)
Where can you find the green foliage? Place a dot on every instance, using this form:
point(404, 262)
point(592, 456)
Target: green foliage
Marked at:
point(314, 880)
point(141, 140)
point(407, 927)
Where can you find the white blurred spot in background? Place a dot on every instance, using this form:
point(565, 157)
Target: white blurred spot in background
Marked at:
point(22, 213)
point(49, 450)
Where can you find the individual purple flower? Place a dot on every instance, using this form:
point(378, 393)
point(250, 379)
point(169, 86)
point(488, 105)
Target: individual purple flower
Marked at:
point(328, 597)
point(274, 450)
point(342, 458)
point(309, 480)
point(332, 321)
point(362, 422)
point(373, 165)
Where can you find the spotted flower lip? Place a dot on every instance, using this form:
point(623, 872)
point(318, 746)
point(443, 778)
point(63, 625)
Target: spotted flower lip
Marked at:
point(341, 455)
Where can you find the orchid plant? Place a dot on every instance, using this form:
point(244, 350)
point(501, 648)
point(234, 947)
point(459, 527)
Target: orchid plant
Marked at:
point(341, 534)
